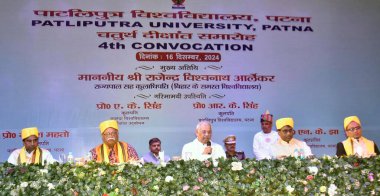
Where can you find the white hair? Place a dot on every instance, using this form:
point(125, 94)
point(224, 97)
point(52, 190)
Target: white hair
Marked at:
point(204, 122)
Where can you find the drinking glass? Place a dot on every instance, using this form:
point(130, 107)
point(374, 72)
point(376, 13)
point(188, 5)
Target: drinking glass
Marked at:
point(62, 158)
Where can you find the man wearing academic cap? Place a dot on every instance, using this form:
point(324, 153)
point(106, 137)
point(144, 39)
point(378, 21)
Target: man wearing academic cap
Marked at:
point(355, 144)
point(230, 144)
point(30, 153)
point(112, 150)
point(286, 145)
point(263, 140)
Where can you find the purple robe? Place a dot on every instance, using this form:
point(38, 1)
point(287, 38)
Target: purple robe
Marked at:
point(150, 158)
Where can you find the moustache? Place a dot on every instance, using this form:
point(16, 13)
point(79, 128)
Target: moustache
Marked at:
point(111, 138)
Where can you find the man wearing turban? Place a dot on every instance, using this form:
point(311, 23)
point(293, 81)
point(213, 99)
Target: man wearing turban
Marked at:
point(286, 145)
point(30, 153)
point(355, 144)
point(112, 150)
point(263, 140)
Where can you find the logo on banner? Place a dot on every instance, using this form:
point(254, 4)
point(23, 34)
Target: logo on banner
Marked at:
point(178, 4)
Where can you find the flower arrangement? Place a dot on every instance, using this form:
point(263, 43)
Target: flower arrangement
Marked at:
point(290, 176)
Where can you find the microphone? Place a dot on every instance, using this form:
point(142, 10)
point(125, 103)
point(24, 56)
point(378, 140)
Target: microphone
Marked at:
point(209, 144)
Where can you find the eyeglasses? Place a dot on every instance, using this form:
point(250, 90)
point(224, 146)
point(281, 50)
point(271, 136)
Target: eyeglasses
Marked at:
point(110, 134)
point(354, 129)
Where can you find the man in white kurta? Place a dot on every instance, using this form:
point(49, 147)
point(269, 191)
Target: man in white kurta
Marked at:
point(30, 153)
point(286, 145)
point(263, 140)
point(46, 157)
point(202, 147)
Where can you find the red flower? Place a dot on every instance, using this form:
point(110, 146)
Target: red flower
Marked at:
point(309, 177)
point(134, 191)
point(105, 194)
point(356, 164)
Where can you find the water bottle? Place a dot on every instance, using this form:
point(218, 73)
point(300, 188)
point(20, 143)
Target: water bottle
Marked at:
point(296, 153)
point(88, 157)
point(62, 158)
point(188, 156)
point(302, 153)
point(70, 158)
point(161, 156)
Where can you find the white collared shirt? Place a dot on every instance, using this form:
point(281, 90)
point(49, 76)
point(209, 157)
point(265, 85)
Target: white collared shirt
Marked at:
point(194, 150)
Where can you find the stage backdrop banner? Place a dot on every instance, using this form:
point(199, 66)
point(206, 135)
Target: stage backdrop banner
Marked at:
point(160, 68)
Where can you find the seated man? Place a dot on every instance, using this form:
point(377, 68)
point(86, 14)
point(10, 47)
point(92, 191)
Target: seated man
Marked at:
point(154, 155)
point(286, 145)
point(230, 144)
point(112, 150)
point(355, 144)
point(263, 140)
point(202, 147)
point(30, 153)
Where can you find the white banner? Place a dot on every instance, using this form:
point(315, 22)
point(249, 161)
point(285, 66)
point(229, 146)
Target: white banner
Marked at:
point(159, 68)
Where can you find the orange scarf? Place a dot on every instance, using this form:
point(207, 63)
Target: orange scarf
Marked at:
point(36, 157)
point(349, 147)
point(102, 152)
